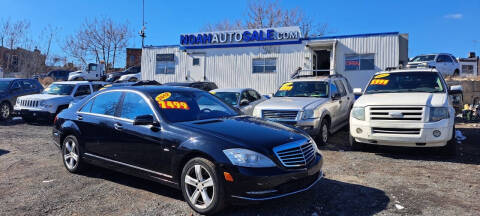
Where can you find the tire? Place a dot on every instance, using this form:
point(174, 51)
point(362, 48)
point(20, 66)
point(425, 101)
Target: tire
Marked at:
point(451, 148)
point(71, 154)
point(354, 145)
point(5, 111)
point(193, 191)
point(324, 133)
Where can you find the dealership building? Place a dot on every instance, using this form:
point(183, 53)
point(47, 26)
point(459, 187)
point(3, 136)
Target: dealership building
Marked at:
point(262, 59)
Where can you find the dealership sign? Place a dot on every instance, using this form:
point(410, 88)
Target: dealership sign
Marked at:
point(268, 36)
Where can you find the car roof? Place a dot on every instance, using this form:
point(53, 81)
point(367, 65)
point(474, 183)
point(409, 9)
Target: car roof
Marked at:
point(434, 54)
point(433, 70)
point(231, 89)
point(9, 79)
point(156, 88)
point(78, 82)
point(311, 78)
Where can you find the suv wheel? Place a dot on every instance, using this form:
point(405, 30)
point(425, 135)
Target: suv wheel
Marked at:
point(5, 111)
point(201, 186)
point(324, 132)
point(71, 154)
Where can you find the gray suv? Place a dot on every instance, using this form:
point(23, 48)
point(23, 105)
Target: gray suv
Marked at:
point(11, 88)
point(319, 105)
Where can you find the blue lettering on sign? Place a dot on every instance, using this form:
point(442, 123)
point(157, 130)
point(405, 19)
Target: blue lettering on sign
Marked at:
point(270, 34)
point(254, 35)
point(246, 36)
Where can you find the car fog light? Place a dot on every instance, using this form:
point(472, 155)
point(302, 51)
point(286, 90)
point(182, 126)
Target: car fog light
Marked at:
point(359, 130)
point(437, 133)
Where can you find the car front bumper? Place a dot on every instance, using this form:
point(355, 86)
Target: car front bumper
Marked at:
point(34, 114)
point(259, 184)
point(363, 131)
point(310, 126)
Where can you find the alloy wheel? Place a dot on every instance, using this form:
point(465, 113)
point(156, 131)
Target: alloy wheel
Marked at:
point(70, 154)
point(199, 186)
point(324, 133)
point(5, 111)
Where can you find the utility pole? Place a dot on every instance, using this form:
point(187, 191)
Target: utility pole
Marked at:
point(142, 31)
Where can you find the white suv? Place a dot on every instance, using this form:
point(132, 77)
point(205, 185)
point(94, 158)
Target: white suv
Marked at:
point(404, 108)
point(445, 63)
point(52, 100)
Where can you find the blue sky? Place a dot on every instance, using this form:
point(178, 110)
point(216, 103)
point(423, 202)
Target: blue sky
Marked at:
point(433, 26)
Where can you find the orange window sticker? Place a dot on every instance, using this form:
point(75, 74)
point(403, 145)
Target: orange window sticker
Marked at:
point(163, 96)
point(286, 86)
point(381, 75)
point(173, 105)
point(379, 82)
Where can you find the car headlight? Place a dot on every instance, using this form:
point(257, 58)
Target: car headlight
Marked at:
point(257, 113)
point(315, 147)
point(248, 158)
point(438, 113)
point(308, 114)
point(358, 113)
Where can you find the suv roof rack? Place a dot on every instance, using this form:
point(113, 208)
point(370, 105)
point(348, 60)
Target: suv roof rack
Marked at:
point(146, 82)
point(309, 73)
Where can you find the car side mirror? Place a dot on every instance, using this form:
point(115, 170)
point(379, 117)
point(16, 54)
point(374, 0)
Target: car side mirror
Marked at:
point(336, 96)
point(357, 91)
point(244, 102)
point(456, 89)
point(145, 120)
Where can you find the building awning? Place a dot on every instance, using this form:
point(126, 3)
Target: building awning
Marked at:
point(321, 43)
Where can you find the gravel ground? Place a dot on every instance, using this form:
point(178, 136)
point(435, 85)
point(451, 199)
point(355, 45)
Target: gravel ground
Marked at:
point(382, 181)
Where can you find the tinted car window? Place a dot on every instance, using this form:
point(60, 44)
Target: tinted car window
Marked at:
point(134, 105)
point(228, 97)
point(341, 88)
point(87, 107)
point(59, 89)
point(4, 86)
point(333, 89)
point(16, 85)
point(406, 82)
point(303, 89)
point(97, 87)
point(106, 103)
point(347, 84)
point(83, 90)
point(254, 94)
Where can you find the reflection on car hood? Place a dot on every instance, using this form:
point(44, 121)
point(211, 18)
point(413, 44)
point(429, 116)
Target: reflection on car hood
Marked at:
point(294, 103)
point(246, 131)
point(403, 99)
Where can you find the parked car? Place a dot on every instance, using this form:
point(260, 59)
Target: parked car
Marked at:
point(318, 105)
point(445, 63)
point(130, 78)
point(188, 139)
point(404, 108)
point(112, 77)
point(11, 88)
point(245, 99)
point(52, 100)
point(203, 85)
point(92, 72)
point(57, 75)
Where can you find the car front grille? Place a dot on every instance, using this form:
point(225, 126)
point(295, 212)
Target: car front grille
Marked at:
point(396, 130)
point(280, 114)
point(296, 154)
point(29, 103)
point(401, 113)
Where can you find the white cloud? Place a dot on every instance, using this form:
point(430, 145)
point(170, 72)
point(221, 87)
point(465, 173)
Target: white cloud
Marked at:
point(454, 16)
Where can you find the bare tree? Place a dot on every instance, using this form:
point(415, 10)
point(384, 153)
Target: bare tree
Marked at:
point(46, 39)
point(4, 31)
point(267, 14)
point(17, 33)
point(99, 39)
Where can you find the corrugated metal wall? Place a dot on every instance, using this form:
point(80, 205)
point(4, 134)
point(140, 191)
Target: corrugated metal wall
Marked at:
point(232, 67)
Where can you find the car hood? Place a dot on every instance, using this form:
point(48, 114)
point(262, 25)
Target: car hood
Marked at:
point(403, 99)
point(293, 103)
point(45, 97)
point(246, 132)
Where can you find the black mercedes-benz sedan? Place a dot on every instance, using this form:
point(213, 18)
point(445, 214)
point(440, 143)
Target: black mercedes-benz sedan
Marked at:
point(188, 139)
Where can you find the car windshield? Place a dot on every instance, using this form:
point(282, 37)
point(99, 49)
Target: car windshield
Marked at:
point(183, 106)
point(4, 86)
point(59, 89)
point(228, 97)
point(422, 58)
point(406, 82)
point(303, 89)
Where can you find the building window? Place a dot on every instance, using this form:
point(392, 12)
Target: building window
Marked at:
point(196, 61)
point(132, 60)
point(165, 64)
point(359, 62)
point(264, 65)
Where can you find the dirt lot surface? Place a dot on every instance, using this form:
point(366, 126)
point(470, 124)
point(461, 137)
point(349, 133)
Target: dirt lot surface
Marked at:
point(383, 181)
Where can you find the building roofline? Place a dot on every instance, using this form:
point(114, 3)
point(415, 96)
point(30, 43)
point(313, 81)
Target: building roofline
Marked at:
point(351, 36)
point(161, 46)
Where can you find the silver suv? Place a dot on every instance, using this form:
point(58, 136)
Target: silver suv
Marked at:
point(319, 105)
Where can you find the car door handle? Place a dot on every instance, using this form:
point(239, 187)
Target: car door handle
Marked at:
point(118, 126)
point(79, 117)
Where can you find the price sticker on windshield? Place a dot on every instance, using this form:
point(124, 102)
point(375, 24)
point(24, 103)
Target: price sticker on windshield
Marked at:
point(173, 105)
point(379, 82)
point(286, 86)
point(381, 75)
point(163, 96)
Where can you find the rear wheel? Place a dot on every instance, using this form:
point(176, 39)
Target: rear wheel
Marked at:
point(201, 186)
point(5, 111)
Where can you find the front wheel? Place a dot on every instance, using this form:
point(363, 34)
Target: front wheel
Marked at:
point(323, 133)
point(5, 111)
point(201, 186)
point(71, 154)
